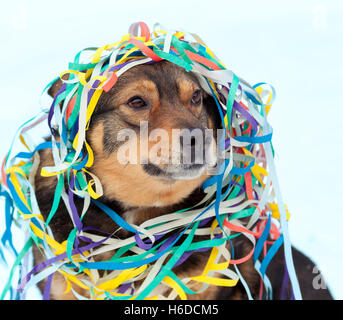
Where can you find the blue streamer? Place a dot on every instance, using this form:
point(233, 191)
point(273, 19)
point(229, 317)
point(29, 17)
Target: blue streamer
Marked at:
point(29, 155)
point(19, 203)
point(114, 216)
point(9, 210)
point(270, 254)
point(107, 265)
point(254, 140)
point(262, 239)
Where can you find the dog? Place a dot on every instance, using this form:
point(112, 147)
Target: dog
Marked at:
point(165, 96)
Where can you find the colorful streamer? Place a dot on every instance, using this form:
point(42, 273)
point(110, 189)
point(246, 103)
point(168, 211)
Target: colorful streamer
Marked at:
point(141, 266)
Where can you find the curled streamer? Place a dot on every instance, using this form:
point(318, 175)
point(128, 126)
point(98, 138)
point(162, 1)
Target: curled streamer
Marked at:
point(241, 190)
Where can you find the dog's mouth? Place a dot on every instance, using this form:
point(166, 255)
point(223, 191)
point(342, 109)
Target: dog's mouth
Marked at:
point(184, 172)
point(190, 167)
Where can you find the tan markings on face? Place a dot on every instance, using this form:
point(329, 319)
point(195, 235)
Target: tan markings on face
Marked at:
point(96, 138)
point(160, 147)
point(134, 187)
point(210, 123)
point(129, 182)
point(144, 89)
point(187, 88)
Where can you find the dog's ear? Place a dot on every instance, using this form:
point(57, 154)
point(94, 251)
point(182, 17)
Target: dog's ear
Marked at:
point(212, 110)
point(56, 86)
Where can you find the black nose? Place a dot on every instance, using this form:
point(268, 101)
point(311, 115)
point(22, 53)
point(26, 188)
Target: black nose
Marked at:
point(192, 144)
point(187, 139)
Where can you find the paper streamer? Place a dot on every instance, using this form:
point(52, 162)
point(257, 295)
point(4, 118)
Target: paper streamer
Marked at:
point(238, 201)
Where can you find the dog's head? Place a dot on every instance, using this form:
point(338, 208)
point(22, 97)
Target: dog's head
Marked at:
point(153, 136)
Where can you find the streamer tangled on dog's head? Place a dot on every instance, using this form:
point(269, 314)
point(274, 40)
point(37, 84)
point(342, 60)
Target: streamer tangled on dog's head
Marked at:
point(141, 266)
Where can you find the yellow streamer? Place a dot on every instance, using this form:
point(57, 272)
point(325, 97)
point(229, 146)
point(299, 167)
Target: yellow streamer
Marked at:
point(172, 283)
point(123, 276)
point(276, 212)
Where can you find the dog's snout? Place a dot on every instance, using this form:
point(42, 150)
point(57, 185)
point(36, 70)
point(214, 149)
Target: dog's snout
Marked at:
point(193, 144)
point(189, 137)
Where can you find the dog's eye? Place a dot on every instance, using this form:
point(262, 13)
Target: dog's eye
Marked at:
point(196, 98)
point(136, 102)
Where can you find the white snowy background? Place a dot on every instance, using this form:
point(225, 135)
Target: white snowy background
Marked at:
point(294, 45)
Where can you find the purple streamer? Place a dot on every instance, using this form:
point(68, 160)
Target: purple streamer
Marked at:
point(142, 244)
point(285, 282)
point(246, 114)
point(227, 143)
point(169, 241)
point(62, 256)
point(46, 294)
point(187, 254)
point(205, 221)
point(123, 288)
point(75, 214)
point(119, 66)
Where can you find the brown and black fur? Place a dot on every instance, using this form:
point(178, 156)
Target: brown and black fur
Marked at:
point(141, 192)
